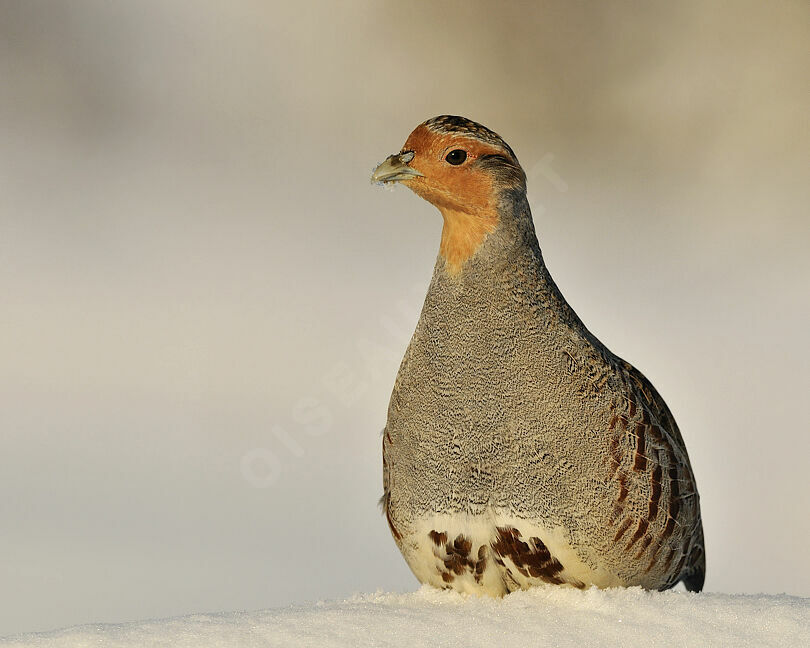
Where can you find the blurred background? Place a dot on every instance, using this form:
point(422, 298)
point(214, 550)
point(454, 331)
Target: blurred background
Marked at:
point(203, 301)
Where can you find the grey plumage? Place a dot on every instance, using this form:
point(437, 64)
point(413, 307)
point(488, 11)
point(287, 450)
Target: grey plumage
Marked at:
point(518, 449)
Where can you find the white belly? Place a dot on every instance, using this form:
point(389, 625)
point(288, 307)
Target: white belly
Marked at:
point(494, 554)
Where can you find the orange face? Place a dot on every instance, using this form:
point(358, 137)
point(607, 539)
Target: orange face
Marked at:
point(450, 178)
point(462, 168)
point(453, 176)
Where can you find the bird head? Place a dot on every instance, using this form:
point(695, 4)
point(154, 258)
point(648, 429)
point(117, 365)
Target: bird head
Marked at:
point(462, 168)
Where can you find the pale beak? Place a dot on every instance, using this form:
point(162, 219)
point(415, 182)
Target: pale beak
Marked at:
point(395, 168)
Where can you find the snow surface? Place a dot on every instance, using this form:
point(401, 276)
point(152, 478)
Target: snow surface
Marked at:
point(549, 616)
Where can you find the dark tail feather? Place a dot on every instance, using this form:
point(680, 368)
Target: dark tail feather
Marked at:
point(694, 573)
point(694, 580)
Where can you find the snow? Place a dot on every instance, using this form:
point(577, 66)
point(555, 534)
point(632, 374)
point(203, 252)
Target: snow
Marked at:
point(549, 616)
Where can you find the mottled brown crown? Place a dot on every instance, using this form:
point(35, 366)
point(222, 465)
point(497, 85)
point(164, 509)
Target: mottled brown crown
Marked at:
point(503, 164)
point(447, 124)
point(454, 124)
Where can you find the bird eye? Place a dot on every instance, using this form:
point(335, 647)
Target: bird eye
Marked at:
point(456, 157)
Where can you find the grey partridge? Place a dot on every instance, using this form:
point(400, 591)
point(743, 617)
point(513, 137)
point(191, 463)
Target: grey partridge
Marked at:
point(518, 449)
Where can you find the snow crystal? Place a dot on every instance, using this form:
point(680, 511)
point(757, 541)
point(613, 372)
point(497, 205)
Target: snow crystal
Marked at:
point(544, 616)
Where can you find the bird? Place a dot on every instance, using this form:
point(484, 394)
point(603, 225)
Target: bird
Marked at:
point(518, 450)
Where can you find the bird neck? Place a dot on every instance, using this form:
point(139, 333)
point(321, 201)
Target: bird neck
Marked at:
point(482, 241)
point(463, 234)
point(484, 265)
